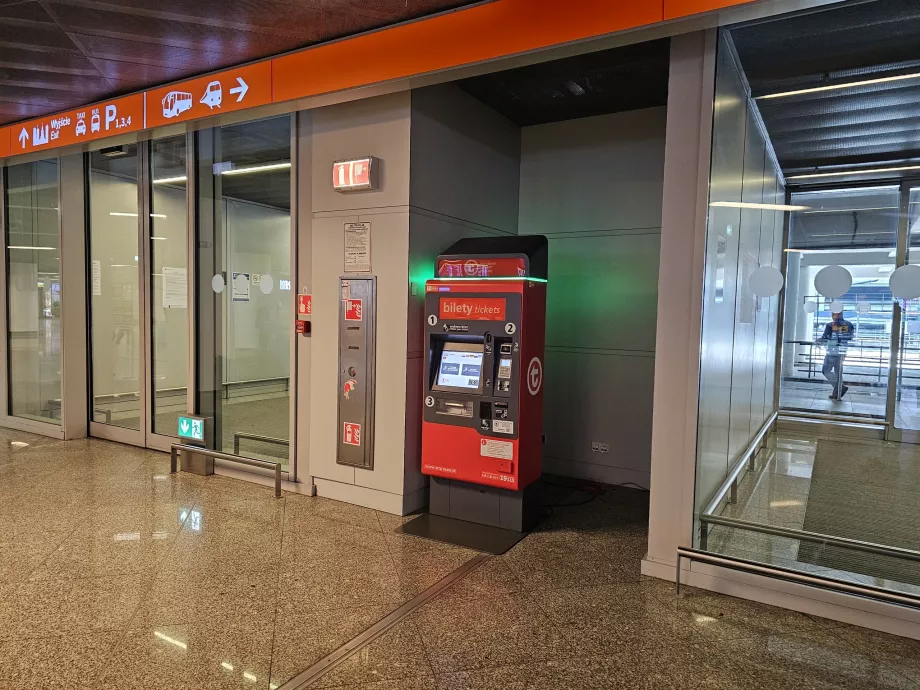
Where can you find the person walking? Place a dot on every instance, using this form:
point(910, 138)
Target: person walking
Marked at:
point(837, 336)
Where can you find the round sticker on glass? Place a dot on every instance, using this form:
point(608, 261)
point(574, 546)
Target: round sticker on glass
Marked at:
point(217, 283)
point(267, 284)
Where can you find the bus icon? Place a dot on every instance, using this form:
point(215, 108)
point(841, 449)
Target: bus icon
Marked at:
point(175, 103)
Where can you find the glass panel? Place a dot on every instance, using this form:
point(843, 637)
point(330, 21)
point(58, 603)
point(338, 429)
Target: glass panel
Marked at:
point(115, 291)
point(839, 365)
point(737, 360)
point(828, 484)
point(34, 290)
point(245, 301)
point(907, 404)
point(168, 266)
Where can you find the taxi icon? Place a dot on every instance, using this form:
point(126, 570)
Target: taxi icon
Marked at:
point(81, 128)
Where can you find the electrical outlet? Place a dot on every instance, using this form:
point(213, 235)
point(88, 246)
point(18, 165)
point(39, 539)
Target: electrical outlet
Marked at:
point(595, 447)
point(603, 448)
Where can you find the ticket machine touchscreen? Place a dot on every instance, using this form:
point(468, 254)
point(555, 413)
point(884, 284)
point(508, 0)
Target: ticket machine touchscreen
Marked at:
point(460, 368)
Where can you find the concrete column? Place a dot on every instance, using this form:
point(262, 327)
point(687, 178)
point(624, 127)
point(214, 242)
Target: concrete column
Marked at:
point(680, 294)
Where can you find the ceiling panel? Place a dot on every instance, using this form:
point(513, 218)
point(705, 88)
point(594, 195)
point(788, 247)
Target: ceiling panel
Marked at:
point(51, 49)
point(609, 81)
point(869, 125)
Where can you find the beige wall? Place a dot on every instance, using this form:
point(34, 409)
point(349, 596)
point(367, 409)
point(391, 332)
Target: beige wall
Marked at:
point(377, 127)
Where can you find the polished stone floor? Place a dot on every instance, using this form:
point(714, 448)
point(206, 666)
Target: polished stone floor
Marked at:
point(115, 574)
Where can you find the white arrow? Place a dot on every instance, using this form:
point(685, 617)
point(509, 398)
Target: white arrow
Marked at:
point(183, 426)
point(23, 137)
point(241, 89)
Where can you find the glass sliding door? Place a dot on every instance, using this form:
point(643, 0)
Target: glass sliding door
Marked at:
point(33, 270)
point(838, 308)
point(168, 245)
point(138, 290)
point(115, 280)
point(245, 286)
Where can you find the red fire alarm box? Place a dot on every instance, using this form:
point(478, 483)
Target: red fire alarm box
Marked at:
point(304, 305)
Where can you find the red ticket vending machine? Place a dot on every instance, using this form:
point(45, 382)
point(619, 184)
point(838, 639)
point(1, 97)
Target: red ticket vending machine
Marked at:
point(482, 430)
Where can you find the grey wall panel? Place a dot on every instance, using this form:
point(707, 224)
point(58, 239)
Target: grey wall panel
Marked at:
point(603, 292)
point(594, 187)
point(595, 173)
point(616, 408)
point(465, 157)
point(717, 340)
point(369, 127)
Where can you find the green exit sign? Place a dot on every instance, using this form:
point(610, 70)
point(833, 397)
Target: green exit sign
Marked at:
point(191, 428)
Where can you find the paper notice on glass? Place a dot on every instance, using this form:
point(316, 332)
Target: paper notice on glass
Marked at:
point(175, 288)
point(97, 278)
point(240, 287)
point(357, 247)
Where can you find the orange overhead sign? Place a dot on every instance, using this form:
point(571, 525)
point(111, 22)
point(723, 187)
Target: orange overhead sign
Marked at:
point(463, 37)
point(96, 121)
point(234, 89)
point(484, 32)
point(674, 9)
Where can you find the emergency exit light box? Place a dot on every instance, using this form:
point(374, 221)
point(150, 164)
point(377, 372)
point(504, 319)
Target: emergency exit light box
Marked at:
point(355, 175)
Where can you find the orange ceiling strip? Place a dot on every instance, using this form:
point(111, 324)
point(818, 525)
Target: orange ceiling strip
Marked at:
point(91, 122)
point(234, 89)
point(485, 32)
point(674, 9)
point(464, 37)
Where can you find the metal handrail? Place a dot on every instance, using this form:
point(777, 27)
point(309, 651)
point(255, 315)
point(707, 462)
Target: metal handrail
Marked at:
point(731, 481)
point(237, 436)
point(778, 572)
point(251, 462)
point(844, 542)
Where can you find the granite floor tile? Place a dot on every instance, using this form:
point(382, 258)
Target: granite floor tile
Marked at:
point(339, 582)
point(304, 635)
point(901, 654)
point(425, 683)
point(420, 563)
point(714, 617)
point(490, 578)
point(467, 632)
point(207, 655)
point(61, 607)
point(82, 555)
point(397, 654)
point(122, 521)
point(542, 566)
point(612, 617)
point(71, 662)
point(813, 659)
point(19, 559)
point(335, 511)
point(220, 596)
point(619, 671)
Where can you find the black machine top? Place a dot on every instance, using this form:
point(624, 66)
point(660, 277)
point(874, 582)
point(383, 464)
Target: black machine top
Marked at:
point(531, 248)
